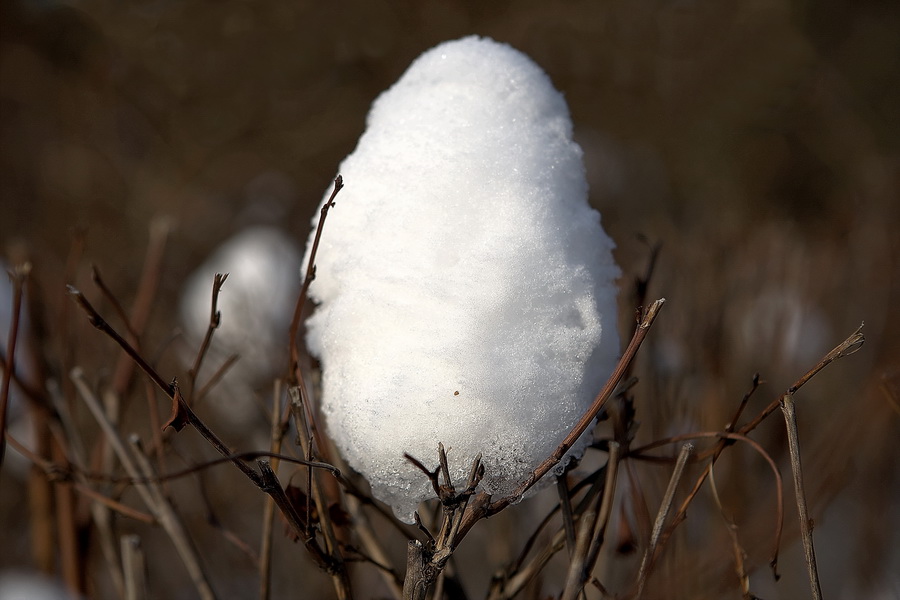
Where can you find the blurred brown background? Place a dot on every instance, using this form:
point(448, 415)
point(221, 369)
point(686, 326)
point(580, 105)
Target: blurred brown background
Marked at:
point(757, 142)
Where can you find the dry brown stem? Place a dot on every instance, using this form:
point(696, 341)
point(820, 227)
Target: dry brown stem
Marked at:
point(664, 508)
point(809, 552)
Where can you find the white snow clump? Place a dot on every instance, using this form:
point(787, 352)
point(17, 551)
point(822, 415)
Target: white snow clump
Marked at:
point(256, 303)
point(466, 289)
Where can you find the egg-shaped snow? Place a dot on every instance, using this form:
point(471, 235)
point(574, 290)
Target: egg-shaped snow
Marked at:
point(465, 286)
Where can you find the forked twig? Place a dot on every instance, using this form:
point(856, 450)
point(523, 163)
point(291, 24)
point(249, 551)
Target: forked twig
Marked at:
point(215, 320)
point(425, 564)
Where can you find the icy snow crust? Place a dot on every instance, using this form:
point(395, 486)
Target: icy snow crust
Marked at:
point(465, 286)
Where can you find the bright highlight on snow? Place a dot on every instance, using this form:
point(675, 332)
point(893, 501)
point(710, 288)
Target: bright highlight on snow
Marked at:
point(466, 288)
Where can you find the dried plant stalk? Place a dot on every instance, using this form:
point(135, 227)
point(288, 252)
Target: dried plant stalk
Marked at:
point(809, 552)
point(664, 508)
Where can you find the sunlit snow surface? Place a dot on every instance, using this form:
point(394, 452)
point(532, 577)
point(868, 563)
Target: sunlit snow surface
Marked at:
point(466, 288)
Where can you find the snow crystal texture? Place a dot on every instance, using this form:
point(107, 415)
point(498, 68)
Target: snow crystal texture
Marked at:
point(465, 287)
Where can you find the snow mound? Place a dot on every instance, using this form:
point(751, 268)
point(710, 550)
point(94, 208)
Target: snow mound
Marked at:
point(465, 286)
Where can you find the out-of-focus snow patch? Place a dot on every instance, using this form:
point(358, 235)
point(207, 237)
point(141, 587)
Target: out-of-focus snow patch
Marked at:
point(28, 585)
point(466, 287)
point(256, 303)
point(779, 323)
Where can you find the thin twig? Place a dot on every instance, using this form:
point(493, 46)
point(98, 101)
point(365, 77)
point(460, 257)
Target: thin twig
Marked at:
point(17, 276)
point(606, 506)
point(144, 299)
point(315, 491)
point(809, 552)
point(519, 574)
point(579, 553)
point(54, 471)
point(112, 299)
point(215, 319)
point(740, 555)
point(642, 283)
point(214, 379)
point(376, 553)
point(516, 582)
point(171, 390)
point(69, 439)
point(330, 564)
point(664, 508)
point(565, 504)
point(134, 324)
point(310, 275)
point(425, 564)
point(100, 323)
point(66, 544)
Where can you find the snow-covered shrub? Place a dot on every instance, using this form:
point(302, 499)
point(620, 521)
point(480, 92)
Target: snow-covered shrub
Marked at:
point(465, 286)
